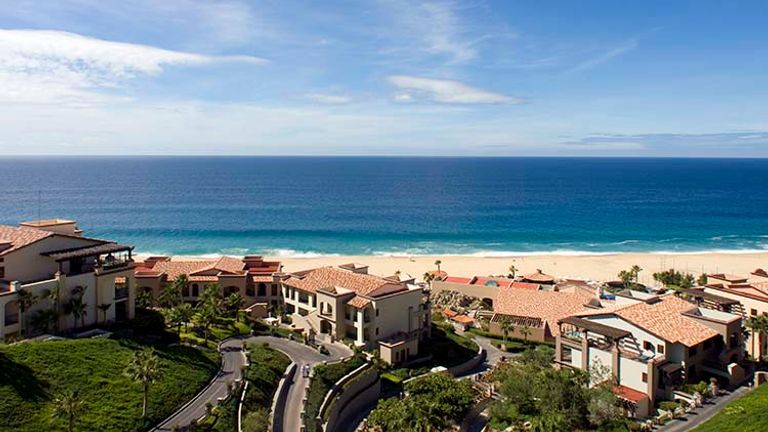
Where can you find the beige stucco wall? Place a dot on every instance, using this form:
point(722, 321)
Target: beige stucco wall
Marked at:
point(401, 312)
point(27, 264)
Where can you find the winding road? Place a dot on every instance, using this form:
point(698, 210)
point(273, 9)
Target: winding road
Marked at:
point(233, 358)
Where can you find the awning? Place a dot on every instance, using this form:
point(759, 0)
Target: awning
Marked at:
point(88, 251)
point(594, 327)
point(670, 368)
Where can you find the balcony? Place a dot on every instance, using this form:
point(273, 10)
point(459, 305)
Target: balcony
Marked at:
point(121, 293)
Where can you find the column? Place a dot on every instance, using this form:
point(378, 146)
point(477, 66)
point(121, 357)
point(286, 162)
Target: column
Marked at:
point(360, 324)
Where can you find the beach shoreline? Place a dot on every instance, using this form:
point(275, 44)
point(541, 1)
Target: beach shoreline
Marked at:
point(591, 267)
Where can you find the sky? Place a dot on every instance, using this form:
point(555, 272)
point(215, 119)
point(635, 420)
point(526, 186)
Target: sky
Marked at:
point(384, 77)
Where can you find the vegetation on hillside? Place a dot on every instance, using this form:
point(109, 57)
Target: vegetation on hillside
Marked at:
point(34, 375)
point(325, 376)
point(433, 402)
point(548, 399)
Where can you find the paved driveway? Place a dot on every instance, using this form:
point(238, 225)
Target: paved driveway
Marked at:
point(233, 358)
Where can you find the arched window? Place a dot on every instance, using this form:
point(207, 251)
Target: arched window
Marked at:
point(262, 290)
point(195, 290)
point(185, 291)
point(250, 291)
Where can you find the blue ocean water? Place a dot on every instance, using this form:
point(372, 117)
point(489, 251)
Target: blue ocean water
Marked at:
point(303, 206)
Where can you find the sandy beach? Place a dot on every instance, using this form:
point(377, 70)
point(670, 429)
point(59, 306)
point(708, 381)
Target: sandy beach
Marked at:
point(597, 267)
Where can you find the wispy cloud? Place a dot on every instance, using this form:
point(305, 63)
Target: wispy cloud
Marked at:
point(605, 57)
point(40, 65)
point(445, 91)
point(326, 98)
point(433, 27)
point(724, 143)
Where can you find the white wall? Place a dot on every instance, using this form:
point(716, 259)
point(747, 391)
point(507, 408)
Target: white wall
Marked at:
point(631, 374)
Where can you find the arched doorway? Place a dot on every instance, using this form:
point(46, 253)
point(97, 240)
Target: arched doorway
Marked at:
point(325, 327)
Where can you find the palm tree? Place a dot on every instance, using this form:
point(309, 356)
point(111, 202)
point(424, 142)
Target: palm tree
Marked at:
point(626, 278)
point(68, 405)
point(44, 320)
point(181, 284)
point(170, 296)
point(144, 299)
point(636, 272)
point(173, 318)
point(104, 307)
point(428, 277)
point(526, 331)
point(78, 309)
point(233, 303)
point(506, 327)
point(437, 263)
point(206, 317)
point(186, 313)
point(55, 297)
point(145, 369)
point(25, 301)
point(512, 271)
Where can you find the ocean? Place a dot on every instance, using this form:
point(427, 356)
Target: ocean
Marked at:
point(311, 206)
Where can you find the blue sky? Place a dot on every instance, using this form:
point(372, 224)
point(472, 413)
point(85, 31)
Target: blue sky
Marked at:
point(384, 77)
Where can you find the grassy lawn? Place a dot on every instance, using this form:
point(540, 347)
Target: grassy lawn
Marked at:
point(32, 374)
point(224, 328)
point(749, 413)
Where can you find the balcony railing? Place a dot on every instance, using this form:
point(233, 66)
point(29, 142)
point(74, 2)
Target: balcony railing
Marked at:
point(121, 293)
point(11, 319)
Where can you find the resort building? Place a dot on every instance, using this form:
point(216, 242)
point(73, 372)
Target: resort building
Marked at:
point(347, 302)
point(539, 311)
point(652, 343)
point(484, 288)
point(752, 294)
point(48, 268)
point(257, 281)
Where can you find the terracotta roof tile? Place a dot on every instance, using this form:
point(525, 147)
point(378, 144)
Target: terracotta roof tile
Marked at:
point(665, 319)
point(359, 302)
point(363, 284)
point(463, 319)
point(539, 277)
point(457, 280)
point(449, 313)
point(550, 306)
point(629, 394)
point(526, 285)
point(19, 237)
point(492, 281)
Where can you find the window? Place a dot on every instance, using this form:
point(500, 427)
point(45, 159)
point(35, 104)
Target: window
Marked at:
point(753, 312)
point(262, 290)
point(195, 290)
point(377, 312)
point(645, 377)
point(692, 352)
point(250, 291)
point(707, 344)
point(274, 290)
point(2, 272)
point(660, 349)
point(377, 331)
point(647, 346)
